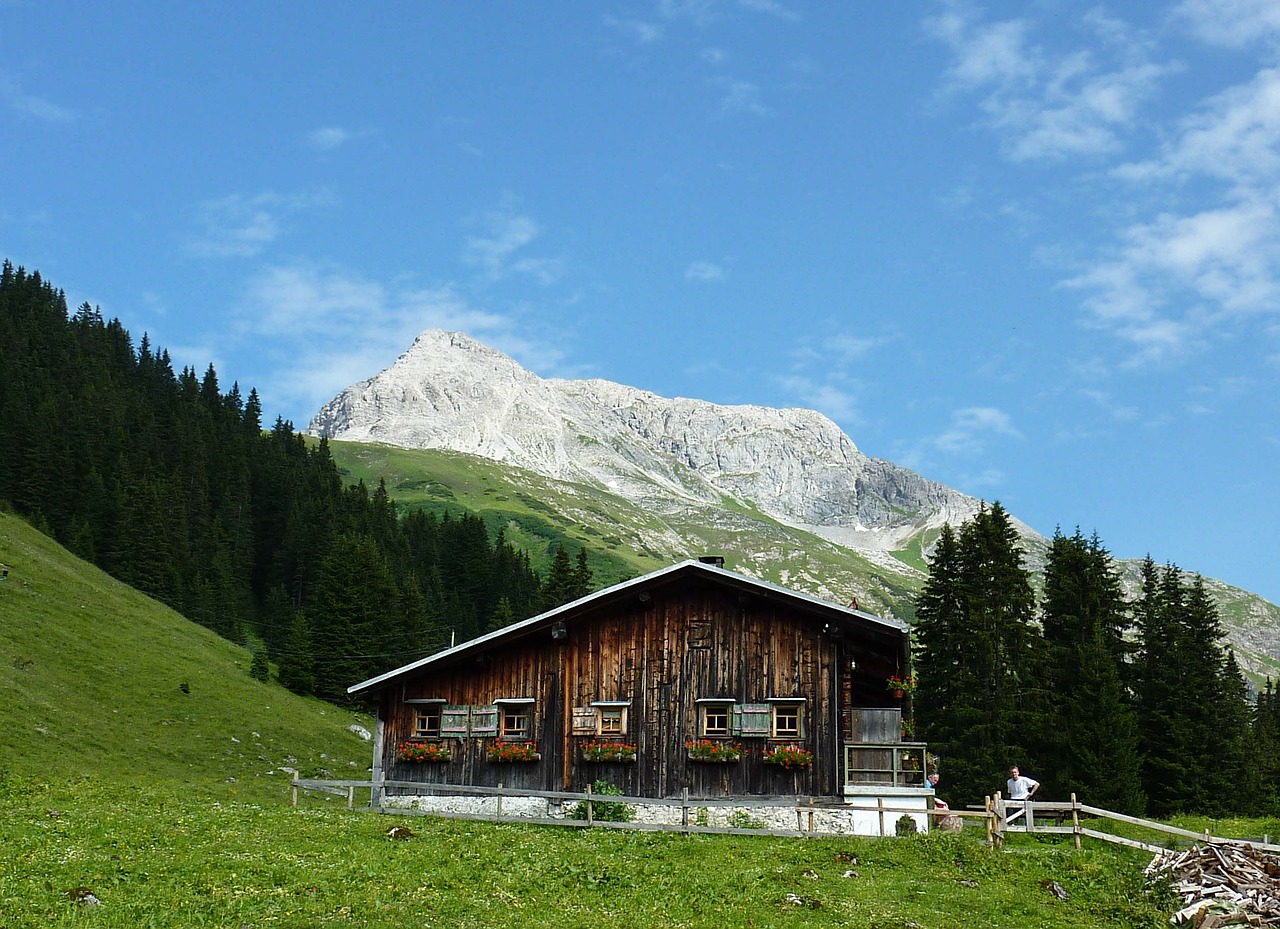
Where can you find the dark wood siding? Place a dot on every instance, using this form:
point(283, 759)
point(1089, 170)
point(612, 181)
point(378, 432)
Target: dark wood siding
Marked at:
point(660, 650)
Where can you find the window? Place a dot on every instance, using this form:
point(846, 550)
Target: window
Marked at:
point(713, 718)
point(515, 722)
point(786, 721)
point(426, 721)
point(612, 721)
point(786, 718)
point(428, 715)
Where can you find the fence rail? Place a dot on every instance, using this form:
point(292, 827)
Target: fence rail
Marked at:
point(995, 814)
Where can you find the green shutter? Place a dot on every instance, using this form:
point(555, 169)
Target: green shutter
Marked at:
point(454, 722)
point(754, 720)
point(484, 721)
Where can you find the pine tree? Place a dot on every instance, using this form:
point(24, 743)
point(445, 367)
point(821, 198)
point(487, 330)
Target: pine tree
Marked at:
point(1090, 738)
point(980, 662)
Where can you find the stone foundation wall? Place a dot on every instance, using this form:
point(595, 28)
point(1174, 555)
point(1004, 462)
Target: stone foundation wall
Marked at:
point(833, 820)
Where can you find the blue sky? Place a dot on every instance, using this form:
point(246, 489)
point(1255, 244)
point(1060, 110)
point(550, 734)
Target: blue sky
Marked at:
point(1030, 250)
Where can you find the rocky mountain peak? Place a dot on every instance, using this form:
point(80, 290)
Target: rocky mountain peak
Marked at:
point(449, 391)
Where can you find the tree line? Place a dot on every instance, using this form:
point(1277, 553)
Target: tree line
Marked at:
point(172, 485)
point(1135, 705)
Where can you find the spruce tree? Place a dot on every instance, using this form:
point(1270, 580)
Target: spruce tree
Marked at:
point(1090, 734)
point(980, 661)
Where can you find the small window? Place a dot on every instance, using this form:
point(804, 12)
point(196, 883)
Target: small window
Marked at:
point(787, 719)
point(426, 721)
point(612, 721)
point(714, 719)
point(515, 722)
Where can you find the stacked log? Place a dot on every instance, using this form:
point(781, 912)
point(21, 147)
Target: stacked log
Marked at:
point(1221, 885)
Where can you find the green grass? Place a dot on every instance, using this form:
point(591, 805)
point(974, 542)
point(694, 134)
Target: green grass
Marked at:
point(171, 804)
point(159, 857)
point(100, 682)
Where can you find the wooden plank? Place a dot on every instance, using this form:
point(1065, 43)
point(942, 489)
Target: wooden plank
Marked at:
point(1121, 840)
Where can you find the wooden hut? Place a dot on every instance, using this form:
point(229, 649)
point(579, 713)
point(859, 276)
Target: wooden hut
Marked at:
point(692, 677)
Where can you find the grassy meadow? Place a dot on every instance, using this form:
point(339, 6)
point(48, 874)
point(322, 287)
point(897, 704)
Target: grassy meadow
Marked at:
point(141, 764)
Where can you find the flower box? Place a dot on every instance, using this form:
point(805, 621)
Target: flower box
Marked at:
point(423, 752)
point(604, 752)
point(714, 751)
point(789, 757)
point(900, 686)
point(504, 752)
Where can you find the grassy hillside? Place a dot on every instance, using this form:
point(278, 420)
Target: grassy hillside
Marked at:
point(98, 681)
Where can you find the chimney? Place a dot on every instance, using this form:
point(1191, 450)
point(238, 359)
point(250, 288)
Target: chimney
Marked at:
point(716, 561)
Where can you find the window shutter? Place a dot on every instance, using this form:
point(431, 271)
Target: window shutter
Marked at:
point(484, 721)
point(454, 722)
point(735, 720)
point(756, 720)
point(584, 720)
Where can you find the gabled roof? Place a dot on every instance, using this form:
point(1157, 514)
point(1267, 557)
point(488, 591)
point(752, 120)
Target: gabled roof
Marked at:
point(823, 609)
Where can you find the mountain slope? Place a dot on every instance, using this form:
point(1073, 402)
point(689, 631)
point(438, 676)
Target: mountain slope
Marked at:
point(785, 493)
point(97, 680)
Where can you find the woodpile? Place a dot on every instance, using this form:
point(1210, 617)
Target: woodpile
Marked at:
point(1221, 885)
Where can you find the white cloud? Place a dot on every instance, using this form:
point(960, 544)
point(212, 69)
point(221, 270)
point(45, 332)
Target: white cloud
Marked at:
point(240, 226)
point(714, 56)
point(849, 347)
point(508, 233)
point(742, 97)
point(328, 138)
point(704, 271)
point(333, 328)
point(972, 427)
point(31, 105)
point(1232, 23)
point(1043, 104)
point(772, 7)
point(835, 402)
point(639, 31)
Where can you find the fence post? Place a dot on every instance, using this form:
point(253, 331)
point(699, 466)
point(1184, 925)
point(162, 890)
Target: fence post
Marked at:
point(811, 811)
point(684, 810)
point(1075, 820)
point(295, 788)
point(351, 797)
point(499, 799)
point(591, 807)
point(880, 808)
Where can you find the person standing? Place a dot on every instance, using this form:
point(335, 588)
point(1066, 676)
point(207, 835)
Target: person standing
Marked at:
point(1021, 789)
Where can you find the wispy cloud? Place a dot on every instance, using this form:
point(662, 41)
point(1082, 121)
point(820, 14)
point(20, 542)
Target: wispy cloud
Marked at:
point(704, 271)
point(498, 251)
point(1171, 279)
point(972, 428)
point(742, 97)
point(36, 107)
point(771, 7)
point(1047, 104)
point(832, 400)
point(640, 31)
point(240, 226)
point(1231, 23)
point(333, 328)
point(328, 138)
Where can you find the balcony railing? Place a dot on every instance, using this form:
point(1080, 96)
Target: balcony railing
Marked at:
point(884, 764)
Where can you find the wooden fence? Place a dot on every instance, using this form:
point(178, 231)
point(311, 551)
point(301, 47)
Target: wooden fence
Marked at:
point(1032, 816)
point(808, 811)
point(998, 816)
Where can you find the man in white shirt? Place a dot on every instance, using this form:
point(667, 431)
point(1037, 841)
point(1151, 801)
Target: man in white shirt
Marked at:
point(1021, 789)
